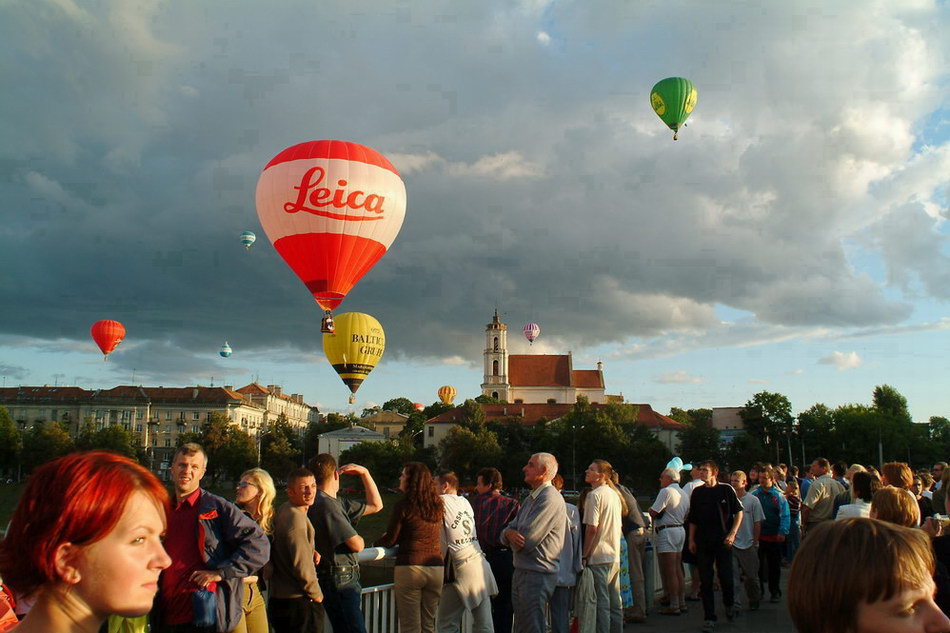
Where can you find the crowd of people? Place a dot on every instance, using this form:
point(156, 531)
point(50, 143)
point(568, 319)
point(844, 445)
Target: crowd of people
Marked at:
point(96, 543)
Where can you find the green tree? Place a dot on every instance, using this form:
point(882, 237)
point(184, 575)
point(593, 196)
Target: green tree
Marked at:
point(239, 453)
point(10, 443)
point(888, 400)
point(466, 451)
point(44, 442)
point(110, 438)
point(399, 405)
point(281, 448)
point(816, 433)
point(699, 440)
point(473, 417)
point(483, 399)
point(767, 417)
point(384, 460)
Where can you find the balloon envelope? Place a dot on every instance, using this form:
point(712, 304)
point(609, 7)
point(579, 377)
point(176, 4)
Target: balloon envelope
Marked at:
point(107, 335)
point(355, 347)
point(248, 238)
point(532, 331)
point(673, 100)
point(332, 209)
point(225, 350)
point(418, 406)
point(447, 394)
point(676, 463)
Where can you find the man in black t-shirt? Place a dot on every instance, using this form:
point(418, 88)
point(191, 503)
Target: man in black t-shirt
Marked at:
point(714, 517)
point(337, 542)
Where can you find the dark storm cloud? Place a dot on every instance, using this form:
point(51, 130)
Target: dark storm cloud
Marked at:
point(539, 182)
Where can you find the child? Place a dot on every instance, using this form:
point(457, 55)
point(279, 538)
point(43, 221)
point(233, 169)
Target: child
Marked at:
point(794, 538)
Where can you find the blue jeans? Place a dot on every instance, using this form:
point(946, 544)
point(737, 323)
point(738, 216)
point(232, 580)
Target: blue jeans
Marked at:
point(342, 607)
point(793, 540)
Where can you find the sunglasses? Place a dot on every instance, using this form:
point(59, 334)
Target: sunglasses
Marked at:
point(244, 484)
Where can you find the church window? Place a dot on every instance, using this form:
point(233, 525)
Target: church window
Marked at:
point(494, 394)
point(494, 368)
point(552, 401)
point(495, 346)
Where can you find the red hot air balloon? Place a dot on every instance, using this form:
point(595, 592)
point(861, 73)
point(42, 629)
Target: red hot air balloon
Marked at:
point(107, 335)
point(332, 209)
point(418, 406)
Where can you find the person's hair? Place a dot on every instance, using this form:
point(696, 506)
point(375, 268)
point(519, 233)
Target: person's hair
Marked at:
point(265, 502)
point(604, 467)
point(793, 471)
point(297, 474)
point(898, 474)
point(711, 465)
point(75, 499)
point(864, 485)
point(839, 469)
point(791, 486)
point(941, 464)
point(190, 448)
point(945, 478)
point(558, 482)
point(490, 477)
point(878, 559)
point(548, 462)
point(768, 473)
point(672, 473)
point(926, 480)
point(856, 468)
point(823, 463)
point(449, 478)
point(739, 473)
point(323, 466)
point(894, 505)
point(874, 471)
point(420, 498)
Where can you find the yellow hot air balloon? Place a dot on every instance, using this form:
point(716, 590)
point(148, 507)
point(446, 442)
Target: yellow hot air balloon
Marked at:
point(447, 394)
point(354, 348)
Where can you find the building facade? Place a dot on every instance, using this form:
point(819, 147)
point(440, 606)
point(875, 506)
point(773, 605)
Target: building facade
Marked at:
point(535, 378)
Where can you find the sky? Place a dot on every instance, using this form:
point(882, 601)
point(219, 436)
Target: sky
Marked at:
point(794, 239)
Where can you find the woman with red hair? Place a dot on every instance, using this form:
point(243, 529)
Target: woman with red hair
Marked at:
point(85, 541)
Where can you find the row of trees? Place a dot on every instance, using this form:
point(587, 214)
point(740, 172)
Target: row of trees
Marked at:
point(880, 431)
point(872, 433)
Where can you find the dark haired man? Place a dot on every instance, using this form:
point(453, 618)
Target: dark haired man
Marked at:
point(493, 511)
point(200, 524)
point(715, 515)
point(294, 591)
point(334, 518)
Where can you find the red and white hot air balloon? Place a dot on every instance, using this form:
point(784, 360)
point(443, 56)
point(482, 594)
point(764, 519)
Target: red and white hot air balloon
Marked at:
point(107, 335)
point(531, 332)
point(331, 209)
point(418, 406)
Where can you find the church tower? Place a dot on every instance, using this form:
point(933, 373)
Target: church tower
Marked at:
point(495, 383)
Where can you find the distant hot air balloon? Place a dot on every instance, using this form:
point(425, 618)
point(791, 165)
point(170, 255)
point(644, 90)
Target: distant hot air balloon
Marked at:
point(418, 406)
point(107, 335)
point(248, 238)
point(355, 348)
point(332, 209)
point(673, 99)
point(447, 394)
point(225, 350)
point(531, 332)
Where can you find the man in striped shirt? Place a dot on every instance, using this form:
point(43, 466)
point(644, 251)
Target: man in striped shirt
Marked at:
point(493, 511)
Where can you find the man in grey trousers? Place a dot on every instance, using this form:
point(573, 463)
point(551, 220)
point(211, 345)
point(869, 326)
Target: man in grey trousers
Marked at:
point(536, 535)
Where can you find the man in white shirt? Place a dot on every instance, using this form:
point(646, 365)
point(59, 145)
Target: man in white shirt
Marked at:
point(602, 520)
point(745, 549)
point(669, 515)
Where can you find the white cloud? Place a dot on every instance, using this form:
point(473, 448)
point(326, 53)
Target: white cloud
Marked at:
point(544, 38)
point(679, 377)
point(758, 381)
point(411, 163)
point(502, 166)
point(842, 361)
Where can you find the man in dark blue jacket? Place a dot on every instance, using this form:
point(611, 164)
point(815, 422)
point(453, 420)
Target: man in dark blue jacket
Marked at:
point(213, 545)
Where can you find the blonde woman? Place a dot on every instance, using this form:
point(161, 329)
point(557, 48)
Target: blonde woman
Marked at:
point(255, 495)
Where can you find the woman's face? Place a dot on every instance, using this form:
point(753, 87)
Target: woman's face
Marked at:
point(911, 611)
point(247, 490)
point(119, 574)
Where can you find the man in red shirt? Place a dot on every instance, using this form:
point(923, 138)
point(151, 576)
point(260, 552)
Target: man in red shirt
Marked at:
point(493, 511)
point(213, 545)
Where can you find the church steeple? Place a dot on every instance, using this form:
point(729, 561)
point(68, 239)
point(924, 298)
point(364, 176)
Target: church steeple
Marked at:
point(495, 383)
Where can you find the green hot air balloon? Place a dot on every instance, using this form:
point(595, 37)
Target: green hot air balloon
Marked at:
point(673, 100)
